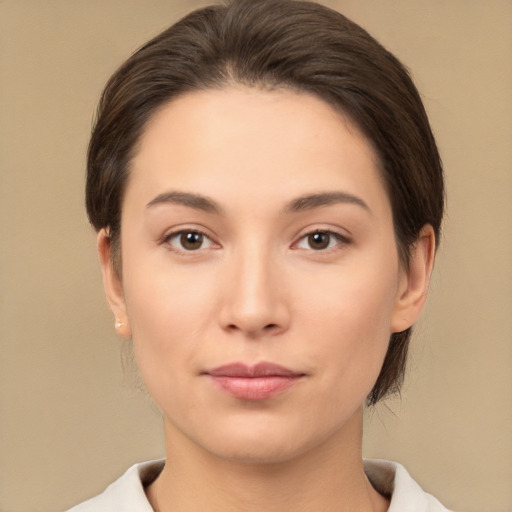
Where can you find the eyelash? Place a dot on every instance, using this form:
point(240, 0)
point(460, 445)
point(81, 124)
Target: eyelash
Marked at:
point(338, 237)
point(178, 234)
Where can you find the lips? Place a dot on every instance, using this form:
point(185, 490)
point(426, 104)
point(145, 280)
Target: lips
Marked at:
point(253, 382)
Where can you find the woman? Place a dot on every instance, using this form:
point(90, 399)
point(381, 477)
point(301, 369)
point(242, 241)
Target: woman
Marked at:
point(268, 198)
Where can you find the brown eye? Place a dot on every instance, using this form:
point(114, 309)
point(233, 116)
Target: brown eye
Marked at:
point(191, 241)
point(319, 240)
point(188, 241)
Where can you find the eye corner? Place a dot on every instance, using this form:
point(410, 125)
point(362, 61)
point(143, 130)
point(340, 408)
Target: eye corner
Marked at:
point(189, 241)
point(321, 240)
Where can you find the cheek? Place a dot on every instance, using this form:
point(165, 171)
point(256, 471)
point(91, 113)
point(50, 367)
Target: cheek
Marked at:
point(168, 313)
point(349, 322)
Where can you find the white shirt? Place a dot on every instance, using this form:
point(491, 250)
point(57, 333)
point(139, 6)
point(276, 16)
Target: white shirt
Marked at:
point(389, 478)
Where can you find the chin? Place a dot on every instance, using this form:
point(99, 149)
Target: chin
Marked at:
point(263, 444)
point(258, 452)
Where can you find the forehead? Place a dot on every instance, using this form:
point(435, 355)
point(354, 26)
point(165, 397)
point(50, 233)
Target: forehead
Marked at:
point(252, 143)
point(223, 115)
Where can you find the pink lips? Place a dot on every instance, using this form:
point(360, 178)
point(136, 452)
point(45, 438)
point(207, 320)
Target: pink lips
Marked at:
point(258, 382)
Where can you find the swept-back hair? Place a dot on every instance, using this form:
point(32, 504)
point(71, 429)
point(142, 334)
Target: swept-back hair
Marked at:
point(271, 44)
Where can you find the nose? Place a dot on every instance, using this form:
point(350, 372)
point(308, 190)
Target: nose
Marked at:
point(254, 298)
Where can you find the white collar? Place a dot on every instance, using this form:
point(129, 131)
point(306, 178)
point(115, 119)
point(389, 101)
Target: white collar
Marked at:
point(389, 478)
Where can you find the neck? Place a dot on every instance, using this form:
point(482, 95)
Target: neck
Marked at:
point(326, 477)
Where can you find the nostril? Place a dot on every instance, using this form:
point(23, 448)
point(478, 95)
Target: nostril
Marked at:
point(267, 328)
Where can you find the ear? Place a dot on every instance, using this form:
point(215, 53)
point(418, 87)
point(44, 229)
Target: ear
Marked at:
point(113, 285)
point(413, 287)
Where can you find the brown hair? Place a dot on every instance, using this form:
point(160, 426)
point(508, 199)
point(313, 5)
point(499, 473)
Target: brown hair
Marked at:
point(277, 43)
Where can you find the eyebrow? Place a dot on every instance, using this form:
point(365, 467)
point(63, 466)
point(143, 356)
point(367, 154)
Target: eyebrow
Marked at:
point(310, 201)
point(195, 201)
point(303, 203)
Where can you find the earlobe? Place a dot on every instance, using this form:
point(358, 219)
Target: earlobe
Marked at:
point(112, 284)
point(413, 289)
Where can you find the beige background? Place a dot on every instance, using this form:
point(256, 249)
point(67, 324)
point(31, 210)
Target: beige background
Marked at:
point(71, 423)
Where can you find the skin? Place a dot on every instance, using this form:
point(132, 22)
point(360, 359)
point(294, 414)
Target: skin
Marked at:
point(259, 287)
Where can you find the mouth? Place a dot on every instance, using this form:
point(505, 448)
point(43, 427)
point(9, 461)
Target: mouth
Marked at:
point(253, 382)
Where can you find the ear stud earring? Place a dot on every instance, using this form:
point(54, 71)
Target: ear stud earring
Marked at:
point(123, 328)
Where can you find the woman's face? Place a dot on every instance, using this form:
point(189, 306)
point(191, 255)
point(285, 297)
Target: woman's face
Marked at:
point(260, 275)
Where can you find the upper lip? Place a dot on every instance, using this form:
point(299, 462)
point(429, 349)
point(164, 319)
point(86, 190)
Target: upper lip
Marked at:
point(262, 369)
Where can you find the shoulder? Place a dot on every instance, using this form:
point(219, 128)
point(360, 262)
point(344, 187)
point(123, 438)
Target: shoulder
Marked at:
point(393, 480)
point(127, 493)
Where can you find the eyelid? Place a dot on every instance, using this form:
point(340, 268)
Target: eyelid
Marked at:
point(342, 238)
point(177, 231)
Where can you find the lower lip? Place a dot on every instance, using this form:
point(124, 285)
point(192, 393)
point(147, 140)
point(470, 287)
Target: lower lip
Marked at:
point(255, 388)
